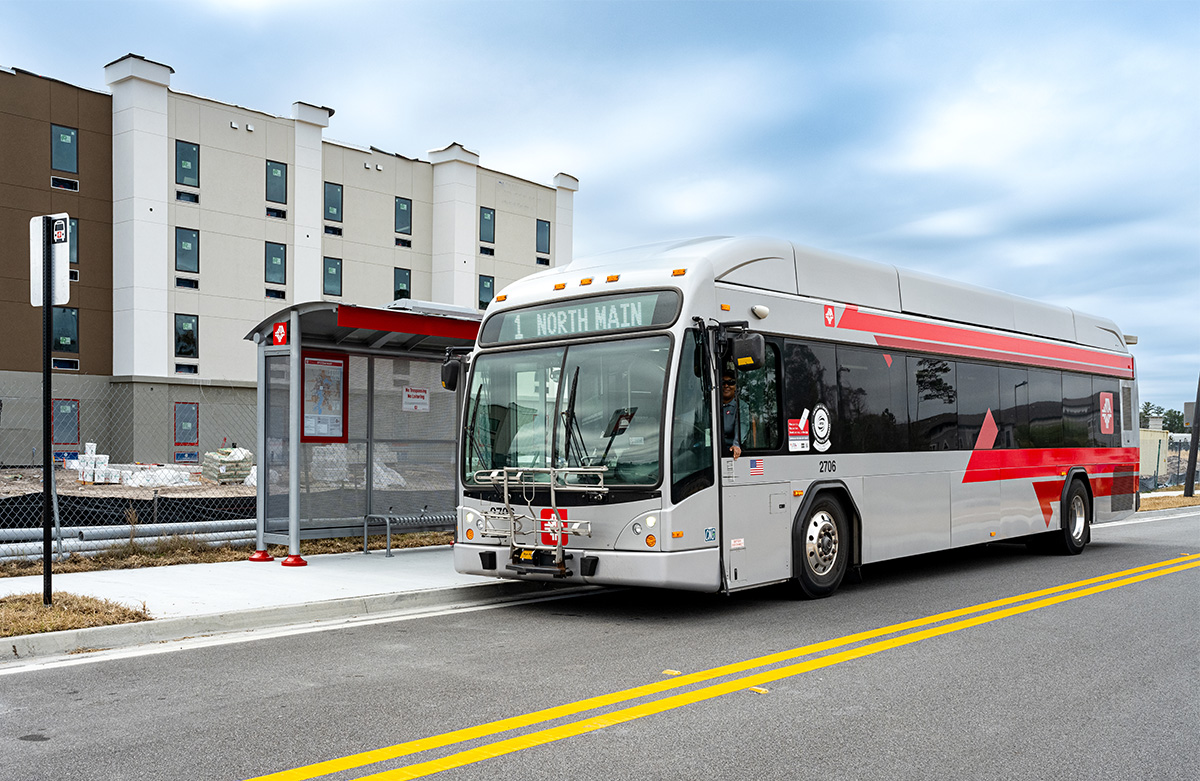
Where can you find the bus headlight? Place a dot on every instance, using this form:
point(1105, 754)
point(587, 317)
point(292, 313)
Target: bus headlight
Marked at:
point(637, 528)
point(650, 521)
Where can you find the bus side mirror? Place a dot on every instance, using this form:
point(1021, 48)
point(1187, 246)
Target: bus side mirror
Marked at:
point(450, 370)
point(748, 351)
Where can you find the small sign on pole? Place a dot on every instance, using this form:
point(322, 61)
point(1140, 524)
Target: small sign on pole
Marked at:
point(60, 253)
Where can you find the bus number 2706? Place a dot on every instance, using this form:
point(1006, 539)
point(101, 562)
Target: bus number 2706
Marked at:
point(829, 466)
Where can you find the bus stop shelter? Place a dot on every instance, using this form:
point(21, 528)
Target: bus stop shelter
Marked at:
point(355, 431)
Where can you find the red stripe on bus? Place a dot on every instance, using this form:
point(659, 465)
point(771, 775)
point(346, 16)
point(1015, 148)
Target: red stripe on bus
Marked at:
point(1047, 493)
point(971, 352)
point(1102, 464)
point(954, 340)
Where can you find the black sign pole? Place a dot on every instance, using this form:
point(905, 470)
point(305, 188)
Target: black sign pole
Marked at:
point(47, 454)
point(1189, 485)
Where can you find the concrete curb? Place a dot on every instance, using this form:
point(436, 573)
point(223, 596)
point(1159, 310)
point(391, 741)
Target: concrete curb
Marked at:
point(24, 647)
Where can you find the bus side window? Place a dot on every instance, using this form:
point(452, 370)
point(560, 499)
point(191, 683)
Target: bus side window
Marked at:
point(758, 393)
point(810, 378)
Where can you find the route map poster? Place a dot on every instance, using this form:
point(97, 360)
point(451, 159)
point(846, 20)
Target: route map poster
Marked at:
point(324, 397)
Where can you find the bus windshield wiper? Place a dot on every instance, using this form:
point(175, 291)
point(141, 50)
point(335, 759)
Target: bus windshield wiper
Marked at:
point(475, 444)
point(573, 434)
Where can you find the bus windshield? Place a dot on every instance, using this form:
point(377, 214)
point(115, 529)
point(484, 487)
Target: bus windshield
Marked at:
point(590, 405)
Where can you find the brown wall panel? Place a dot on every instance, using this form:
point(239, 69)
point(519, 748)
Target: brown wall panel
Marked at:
point(24, 95)
point(29, 104)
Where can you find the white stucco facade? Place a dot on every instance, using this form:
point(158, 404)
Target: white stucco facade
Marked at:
point(442, 254)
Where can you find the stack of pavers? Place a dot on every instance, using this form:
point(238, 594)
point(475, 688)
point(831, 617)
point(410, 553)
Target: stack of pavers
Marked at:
point(227, 465)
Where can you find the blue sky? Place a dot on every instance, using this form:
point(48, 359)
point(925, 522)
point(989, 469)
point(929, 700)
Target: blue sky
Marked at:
point(1048, 149)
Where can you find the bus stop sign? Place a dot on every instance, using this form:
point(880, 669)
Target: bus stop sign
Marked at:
point(60, 257)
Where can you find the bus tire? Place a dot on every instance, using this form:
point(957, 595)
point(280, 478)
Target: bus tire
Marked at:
point(822, 549)
point(1076, 521)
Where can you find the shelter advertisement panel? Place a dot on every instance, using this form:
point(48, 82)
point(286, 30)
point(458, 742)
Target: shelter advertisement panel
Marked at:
point(325, 390)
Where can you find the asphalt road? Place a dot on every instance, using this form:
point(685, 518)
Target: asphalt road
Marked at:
point(972, 664)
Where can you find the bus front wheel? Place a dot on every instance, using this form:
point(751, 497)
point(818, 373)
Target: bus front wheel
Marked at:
point(822, 549)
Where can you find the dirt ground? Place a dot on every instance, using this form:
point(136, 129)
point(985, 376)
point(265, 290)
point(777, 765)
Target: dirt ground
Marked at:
point(16, 482)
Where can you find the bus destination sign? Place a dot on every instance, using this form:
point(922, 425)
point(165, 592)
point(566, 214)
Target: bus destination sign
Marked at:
point(600, 314)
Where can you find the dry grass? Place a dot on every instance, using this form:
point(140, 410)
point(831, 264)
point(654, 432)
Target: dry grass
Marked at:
point(192, 550)
point(1169, 502)
point(24, 614)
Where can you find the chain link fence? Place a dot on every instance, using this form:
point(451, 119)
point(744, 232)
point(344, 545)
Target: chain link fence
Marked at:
point(130, 463)
point(143, 461)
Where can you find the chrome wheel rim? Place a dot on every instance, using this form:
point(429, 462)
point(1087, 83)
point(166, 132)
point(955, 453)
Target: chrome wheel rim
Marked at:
point(1078, 517)
point(820, 543)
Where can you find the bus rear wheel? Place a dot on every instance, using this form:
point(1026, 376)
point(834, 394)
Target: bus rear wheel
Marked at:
point(1076, 521)
point(822, 549)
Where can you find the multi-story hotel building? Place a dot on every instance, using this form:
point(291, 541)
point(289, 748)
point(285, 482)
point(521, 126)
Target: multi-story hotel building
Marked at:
point(193, 220)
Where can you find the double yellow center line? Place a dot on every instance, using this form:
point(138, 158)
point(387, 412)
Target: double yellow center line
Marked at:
point(903, 634)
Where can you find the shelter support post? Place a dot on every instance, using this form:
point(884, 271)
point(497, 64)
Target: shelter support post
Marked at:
point(261, 475)
point(295, 422)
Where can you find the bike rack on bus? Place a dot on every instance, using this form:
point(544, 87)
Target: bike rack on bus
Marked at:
point(506, 523)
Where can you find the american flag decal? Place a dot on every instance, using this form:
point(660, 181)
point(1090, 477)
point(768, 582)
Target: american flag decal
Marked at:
point(756, 466)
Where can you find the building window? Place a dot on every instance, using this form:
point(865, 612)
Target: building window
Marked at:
point(276, 260)
point(543, 237)
point(64, 149)
point(187, 340)
point(333, 276)
point(187, 423)
point(403, 284)
point(404, 216)
point(487, 225)
point(66, 330)
point(187, 250)
point(276, 182)
point(486, 290)
point(187, 164)
point(333, 202)
point(64, 421)
point(73, 239)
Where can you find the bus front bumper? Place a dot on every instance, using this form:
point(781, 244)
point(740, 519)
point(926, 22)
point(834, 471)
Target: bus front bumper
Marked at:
point(694, 570)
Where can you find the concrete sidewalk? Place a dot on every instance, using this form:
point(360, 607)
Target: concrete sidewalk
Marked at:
point(194, 599)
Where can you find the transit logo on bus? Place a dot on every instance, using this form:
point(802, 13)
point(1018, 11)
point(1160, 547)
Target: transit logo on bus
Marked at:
point(550, 537)
point(1106, 413)
point(829, 315)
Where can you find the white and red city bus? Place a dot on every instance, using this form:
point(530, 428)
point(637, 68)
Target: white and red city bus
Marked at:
point(726, 413)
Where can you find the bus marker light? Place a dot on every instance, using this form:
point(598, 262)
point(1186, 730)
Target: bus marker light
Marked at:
point(679, 272)
point(993, 534)
point(560, 285)
point(585, 281)
point(501, 298)
point(797, 493)
point(724, 307)
point(676, 535)
point(470, 534)
point(650, 540)
point(613, 277)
